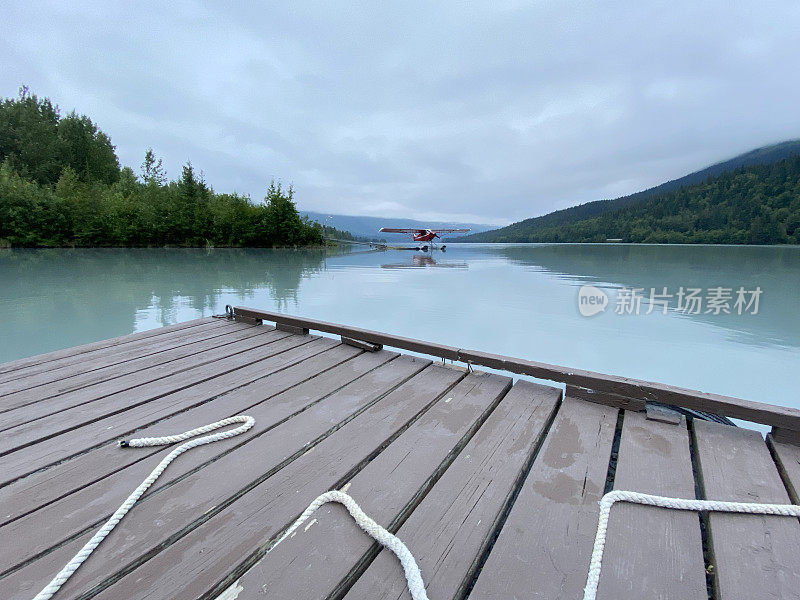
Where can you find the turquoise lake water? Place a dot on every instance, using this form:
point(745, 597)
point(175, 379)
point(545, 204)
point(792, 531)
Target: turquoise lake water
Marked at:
point(520, 300)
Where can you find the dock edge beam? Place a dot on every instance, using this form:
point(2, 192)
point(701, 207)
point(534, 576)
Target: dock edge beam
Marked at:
point(634, 391)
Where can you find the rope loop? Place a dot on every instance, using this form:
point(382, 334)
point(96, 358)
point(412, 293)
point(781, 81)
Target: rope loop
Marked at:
point(611, 498)
point(391, 542)
point(77, 560)
point(378, 533)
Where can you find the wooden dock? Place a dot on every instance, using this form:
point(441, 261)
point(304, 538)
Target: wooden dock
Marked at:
point(492, 483)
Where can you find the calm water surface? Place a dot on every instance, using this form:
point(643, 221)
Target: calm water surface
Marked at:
point(510, 299)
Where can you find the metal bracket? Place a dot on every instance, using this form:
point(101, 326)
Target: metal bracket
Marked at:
point(662, 414)
point(368, 346)
point(231, 314)
point(291, 329)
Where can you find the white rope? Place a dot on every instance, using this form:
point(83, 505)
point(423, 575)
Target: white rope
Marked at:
point(391, 542)
point(413, 575)
point(83, 554)
point(590, 591)
point(381, 535)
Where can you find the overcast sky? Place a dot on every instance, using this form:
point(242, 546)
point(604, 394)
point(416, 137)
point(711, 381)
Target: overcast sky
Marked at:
point(485, 112)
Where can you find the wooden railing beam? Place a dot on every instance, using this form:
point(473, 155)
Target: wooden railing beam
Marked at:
point(737, 408)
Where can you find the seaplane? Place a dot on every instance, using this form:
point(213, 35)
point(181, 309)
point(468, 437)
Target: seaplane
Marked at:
point(423, 235)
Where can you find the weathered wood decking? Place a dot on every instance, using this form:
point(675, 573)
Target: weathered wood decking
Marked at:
point(492, 484)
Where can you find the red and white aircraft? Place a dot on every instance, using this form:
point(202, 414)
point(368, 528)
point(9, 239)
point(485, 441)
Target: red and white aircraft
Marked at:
point(422, 235)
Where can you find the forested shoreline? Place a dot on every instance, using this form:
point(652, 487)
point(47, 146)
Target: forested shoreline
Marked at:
point(748, 205)
point(61, 185)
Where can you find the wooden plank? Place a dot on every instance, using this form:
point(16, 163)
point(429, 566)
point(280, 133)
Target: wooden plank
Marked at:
point(84, 363)
point(76, 413)
point(738, 408)
point(787, 459)
point(449, 530)
point(209, 552)
point(93, 465)
point(59, 448)
point(66, 475)
point(788, 436)
point(367, 335)
point(757, 412)
point(754, 556)
point(653, 552)
point(614, 400)
point(49, 366)
point(272, 399)
point(387, 489)
point(544, 547)
point(78, 380)
point(264, 463)
point(38, 359)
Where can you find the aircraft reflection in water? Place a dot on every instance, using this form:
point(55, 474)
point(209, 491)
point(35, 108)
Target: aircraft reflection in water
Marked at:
point(424, 260)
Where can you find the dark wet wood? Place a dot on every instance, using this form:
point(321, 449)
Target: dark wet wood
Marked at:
point(454, 524)
point(557, 503)
point(495, 491)
point(754, 556)
point(652, 552)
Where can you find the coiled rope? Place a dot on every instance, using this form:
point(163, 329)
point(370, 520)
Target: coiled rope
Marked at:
point(381, 535)
point(593, 579)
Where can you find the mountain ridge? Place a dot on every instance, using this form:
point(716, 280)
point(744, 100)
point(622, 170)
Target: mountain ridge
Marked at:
point(521, 231)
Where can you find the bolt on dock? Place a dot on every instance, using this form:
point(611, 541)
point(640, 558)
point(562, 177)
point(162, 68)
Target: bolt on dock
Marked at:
point(493, 482)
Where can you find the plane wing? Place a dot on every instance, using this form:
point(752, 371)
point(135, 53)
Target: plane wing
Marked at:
point(412, 230)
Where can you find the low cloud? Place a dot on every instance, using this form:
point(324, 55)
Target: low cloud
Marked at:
point(491, 113)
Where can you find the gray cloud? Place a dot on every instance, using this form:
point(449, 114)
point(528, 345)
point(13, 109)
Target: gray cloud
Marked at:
point(491, 112)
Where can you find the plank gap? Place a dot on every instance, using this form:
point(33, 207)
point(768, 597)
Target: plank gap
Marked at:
point(466, 587)
point(344, 586)
point(613, 458)
point(130, 433)
point(705, 533)
point(374, 550)
point(201, 466)
point(139, 561)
